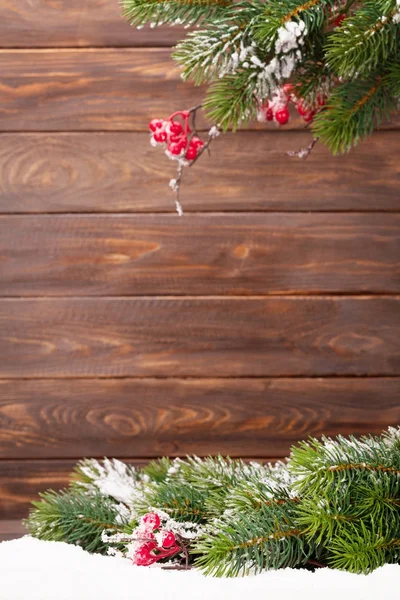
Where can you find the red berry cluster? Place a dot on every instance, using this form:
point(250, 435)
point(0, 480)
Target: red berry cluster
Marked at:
point(153, 548)
point(176, 136)
point(277, 109)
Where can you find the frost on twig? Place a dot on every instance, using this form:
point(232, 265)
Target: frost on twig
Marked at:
point(181, 141)
point(303, 152)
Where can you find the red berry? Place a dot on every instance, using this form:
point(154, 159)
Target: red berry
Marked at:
point(321, 100)
point(160, 137)
point(269, 115)
point(282, 116)
point(309, 116)
point(168, 539)
point(152, 520)
point(302, 109)
point(191, 153)
point(143, 557)
point(175, 128)
point(176, 147)
point(196, 142)
point(339, 20)
point(156, 124)
point(150, 545)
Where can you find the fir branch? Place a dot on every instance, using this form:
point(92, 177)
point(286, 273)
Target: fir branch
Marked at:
point(179, 500)
point(250, 542)
point(364, 467)
point(74, 517)
point(393, 78)
point(173, 12)
point(219, 48)
point(325, 517)
point(364, 40)
point(275, 15)
point(157, 470)
point(330, 463)
point(361, 550)
point(354, 109)
point(111, 478)
point(231, 101)
point(302, 7)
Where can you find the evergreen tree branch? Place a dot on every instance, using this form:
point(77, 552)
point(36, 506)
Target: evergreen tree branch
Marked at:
point(173, 12)
point(231, 101)
point(266, 538)
point(180, 501)
point(74, 517)
point(354, 110)
point(361, 550)
point(219, 48)
point(364, 40)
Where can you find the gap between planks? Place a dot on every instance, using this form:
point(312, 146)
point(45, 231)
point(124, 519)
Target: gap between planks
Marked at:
point(138, 460)
point(200, 378)
point(181, 296)
point(208, 213)
point(359, 296)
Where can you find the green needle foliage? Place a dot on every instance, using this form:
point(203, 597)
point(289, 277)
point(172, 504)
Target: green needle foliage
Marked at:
point(261, 538)
point(180, 501)
point(74, 517)
point(174, 12)
point(350, 503)
point(335, 502)
point(230, 100)
point(364, 40)
point(361, 550)
point(344, 51)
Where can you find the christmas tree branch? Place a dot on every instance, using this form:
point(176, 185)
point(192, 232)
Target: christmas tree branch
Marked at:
point(173, 12)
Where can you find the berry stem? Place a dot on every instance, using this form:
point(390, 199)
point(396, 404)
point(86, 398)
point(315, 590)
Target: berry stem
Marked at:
point(303, 152)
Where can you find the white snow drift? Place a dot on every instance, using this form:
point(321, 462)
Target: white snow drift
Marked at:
point(34, 570)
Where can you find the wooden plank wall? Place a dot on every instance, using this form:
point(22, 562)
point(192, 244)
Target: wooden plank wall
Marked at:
point(268, 313)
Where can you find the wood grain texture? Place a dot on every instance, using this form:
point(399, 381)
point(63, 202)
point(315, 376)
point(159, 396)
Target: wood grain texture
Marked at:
point(107, 172)
point(150, 417)
point(22, 480)
point(95, 89)
point(89, 89)
point(200, 254)
point(199, 336)
point(11, 530)
point(45, 23)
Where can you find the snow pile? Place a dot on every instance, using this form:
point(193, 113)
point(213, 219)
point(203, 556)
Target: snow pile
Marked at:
point(34, 570)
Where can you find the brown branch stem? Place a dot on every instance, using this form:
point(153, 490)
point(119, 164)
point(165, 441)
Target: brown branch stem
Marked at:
point(303, 153)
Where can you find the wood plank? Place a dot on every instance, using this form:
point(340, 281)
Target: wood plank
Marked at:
point(95, 89)
point(152, 417)
point(105, 172)
point(11, 530)
point(201, 254)
point(42, 23)
point(21, 481)
point(205, 337)
point(89, 89)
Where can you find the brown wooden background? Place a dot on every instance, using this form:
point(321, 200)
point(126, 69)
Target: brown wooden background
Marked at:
point(268, 313)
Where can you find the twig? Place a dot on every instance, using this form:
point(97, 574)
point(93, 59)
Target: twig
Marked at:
point(177, 568)
point(185, 552)
point(303, 152)
point(315, 563)
point(175, 184)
